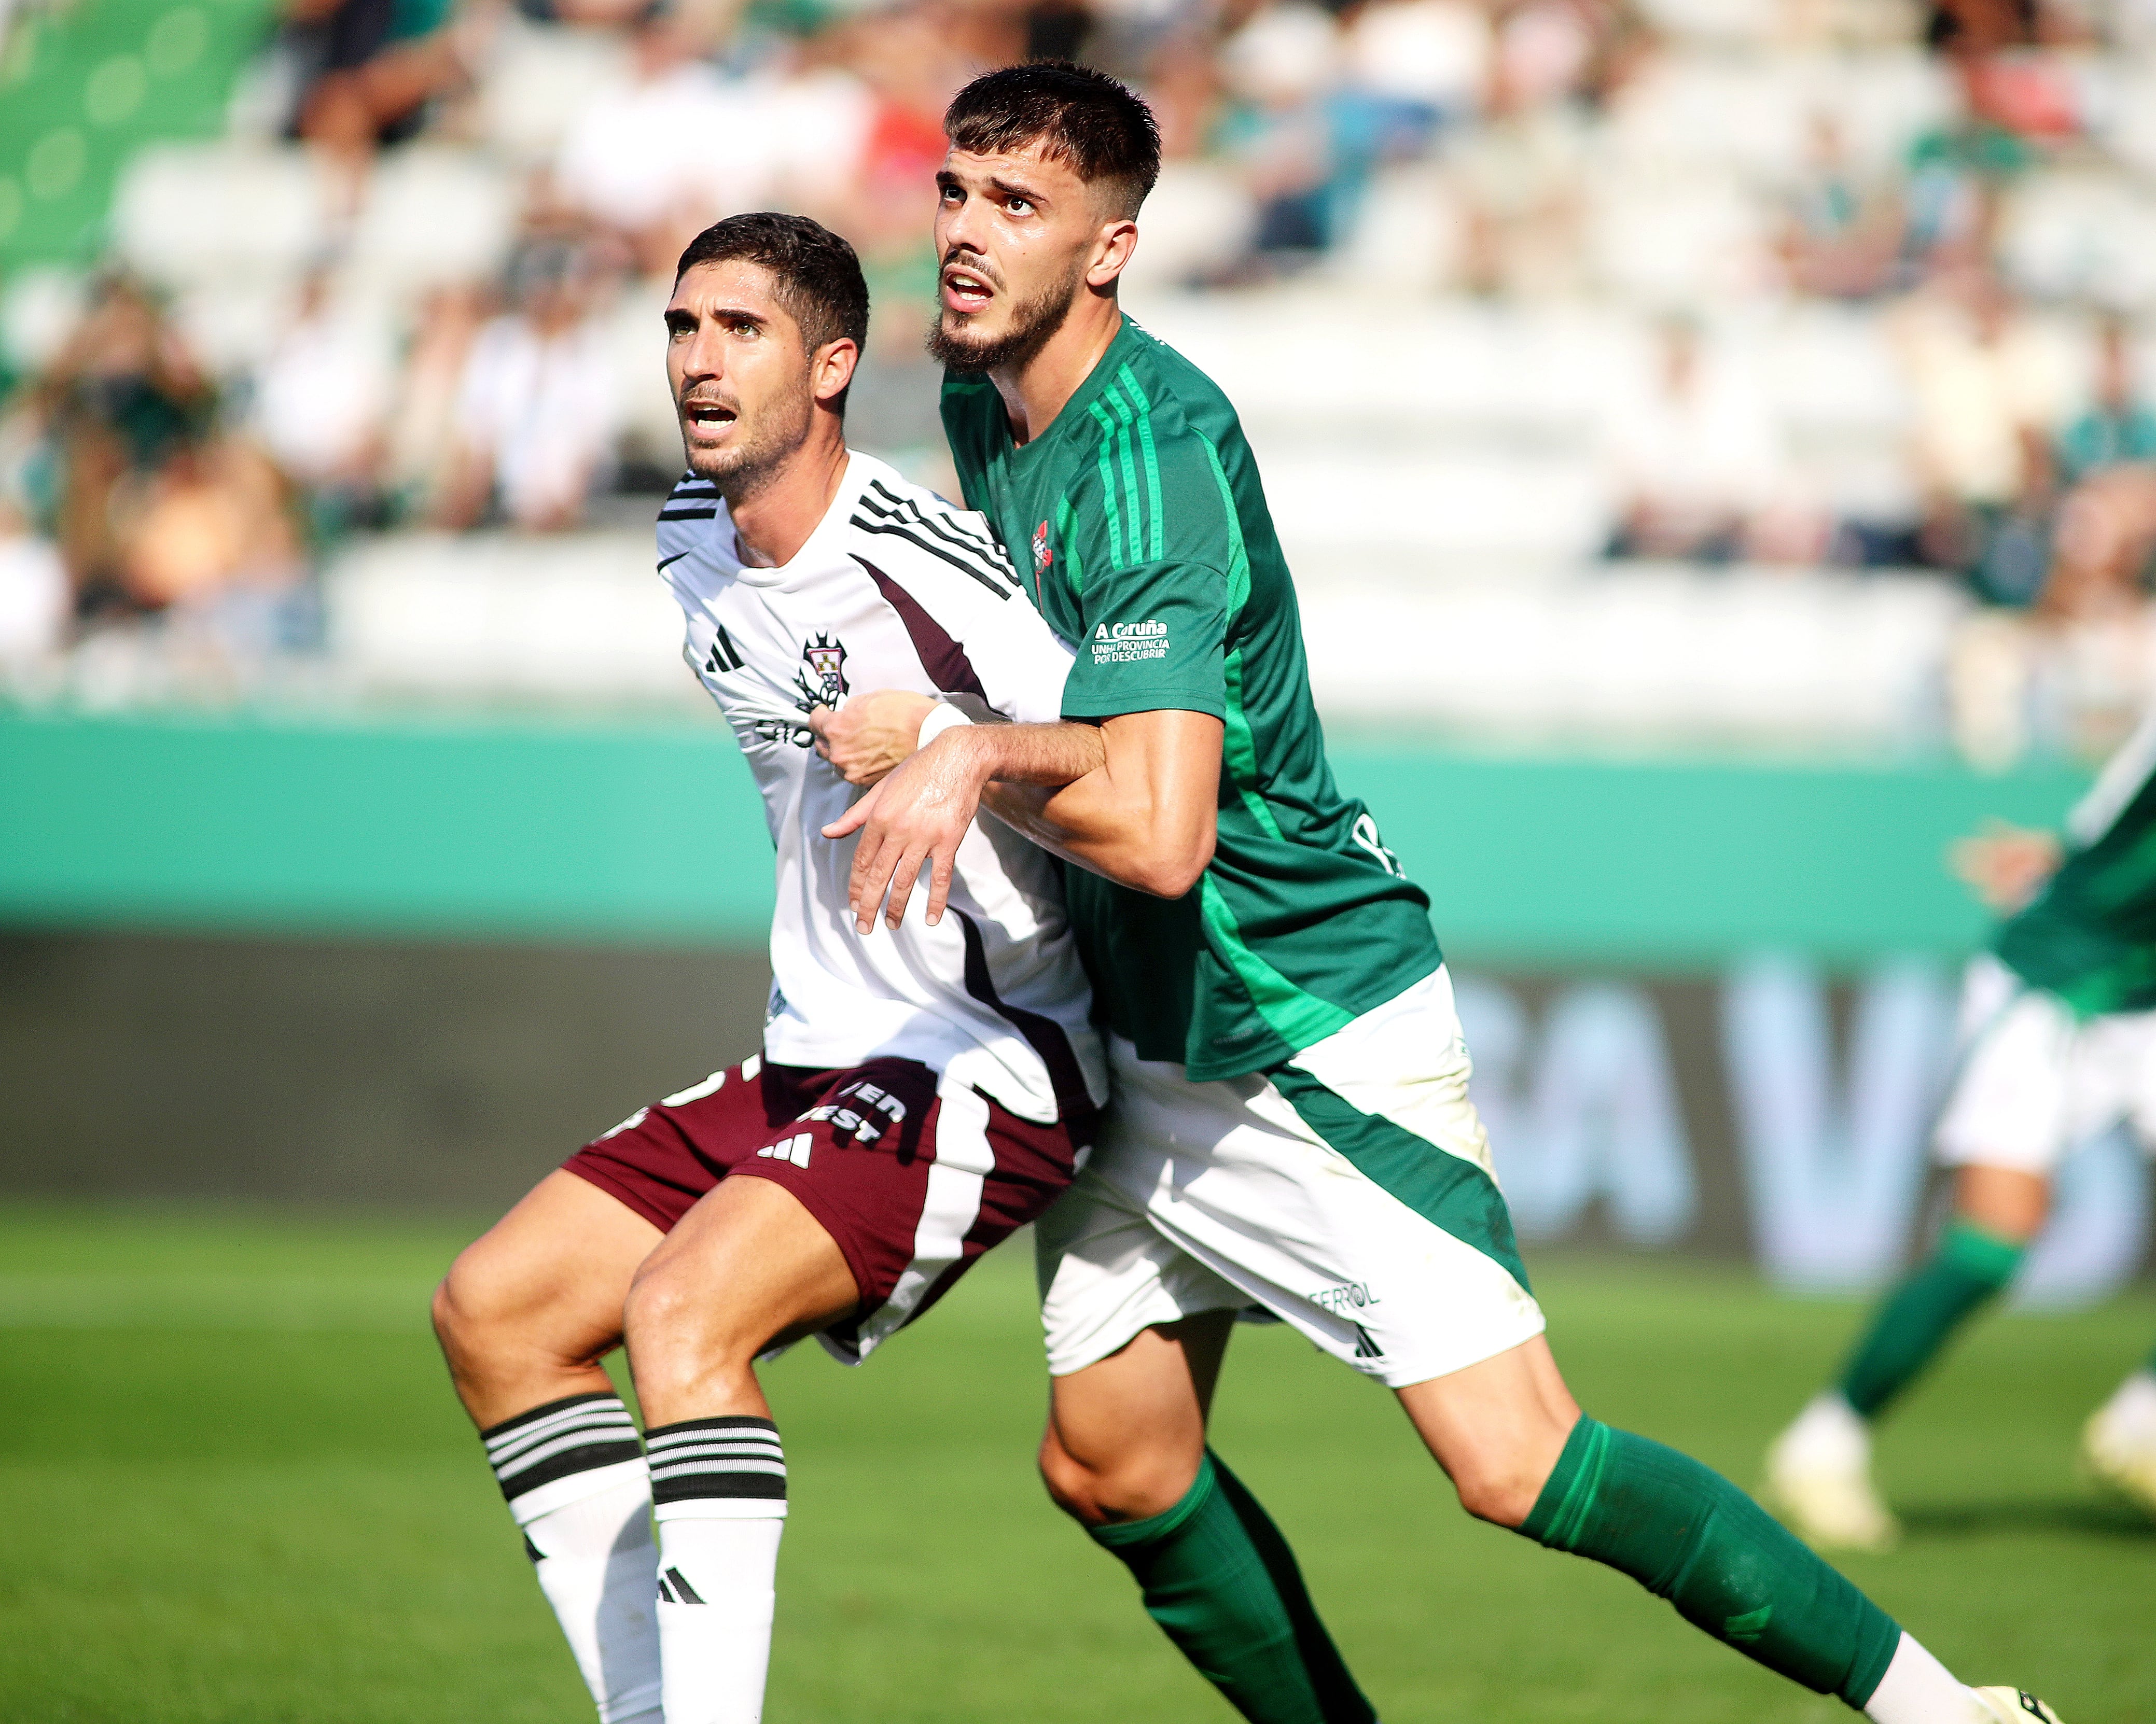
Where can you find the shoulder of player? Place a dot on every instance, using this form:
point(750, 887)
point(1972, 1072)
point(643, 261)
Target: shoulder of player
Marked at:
point(693, 499)
point(684, 525)
point(1175, 420)
point(1155, 481)
point(1183, 398)
point(923, 541)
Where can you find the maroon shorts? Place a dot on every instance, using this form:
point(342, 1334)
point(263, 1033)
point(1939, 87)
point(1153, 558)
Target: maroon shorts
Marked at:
point(912, 1177)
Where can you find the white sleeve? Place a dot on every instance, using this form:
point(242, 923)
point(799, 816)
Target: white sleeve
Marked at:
point(1021, 662)
point(975, 632)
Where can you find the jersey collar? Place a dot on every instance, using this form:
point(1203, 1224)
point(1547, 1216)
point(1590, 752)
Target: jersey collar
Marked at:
point(816, 550)
point(1074, 410)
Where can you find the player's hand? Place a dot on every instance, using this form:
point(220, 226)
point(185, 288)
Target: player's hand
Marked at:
point(916, 817)
point(871, 733)
point(2005, 865)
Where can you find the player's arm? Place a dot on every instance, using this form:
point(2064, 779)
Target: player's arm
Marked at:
point(1132, 797)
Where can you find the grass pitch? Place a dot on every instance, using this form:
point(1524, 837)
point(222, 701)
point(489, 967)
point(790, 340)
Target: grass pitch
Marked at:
point(234, 1489)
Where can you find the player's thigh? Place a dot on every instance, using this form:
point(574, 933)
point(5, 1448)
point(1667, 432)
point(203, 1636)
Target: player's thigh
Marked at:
point(2007, 1203)
point(2012, 1100)
point(748, 1267)
point(1127, 1434)
point(548, 1280)
point(1348, 1193)
point(1155, 1390)
point(1107, 1273)
point(1496, 1427)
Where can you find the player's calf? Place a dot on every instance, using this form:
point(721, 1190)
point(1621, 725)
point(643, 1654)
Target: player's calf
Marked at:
point(747, 1267)
point(524, 1316)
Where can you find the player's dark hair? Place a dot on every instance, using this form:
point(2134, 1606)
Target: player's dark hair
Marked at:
point(818, 277)
point(1070, 112)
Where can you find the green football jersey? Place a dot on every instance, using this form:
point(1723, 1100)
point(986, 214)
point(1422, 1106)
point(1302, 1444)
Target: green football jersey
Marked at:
point(2090, 936)
point(1139, 524)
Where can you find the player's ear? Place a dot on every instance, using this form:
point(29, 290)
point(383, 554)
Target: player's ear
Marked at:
point(831, 369)
point(1113, 243)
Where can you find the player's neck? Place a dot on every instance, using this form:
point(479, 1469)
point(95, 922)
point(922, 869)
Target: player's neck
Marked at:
point(773, 520)
point(1036, 391)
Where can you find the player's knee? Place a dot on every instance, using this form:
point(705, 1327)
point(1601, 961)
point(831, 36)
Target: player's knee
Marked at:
point(679, 1331)
point(466, 1316)
point(1070, 1484)
point(1503, 1495)
point(1130, 1487)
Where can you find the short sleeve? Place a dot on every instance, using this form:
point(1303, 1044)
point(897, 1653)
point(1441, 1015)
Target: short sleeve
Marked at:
point(1154, 639)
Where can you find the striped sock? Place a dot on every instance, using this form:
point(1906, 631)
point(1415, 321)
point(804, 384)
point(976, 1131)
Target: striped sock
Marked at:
point(574, 1477)
point(720, 1489)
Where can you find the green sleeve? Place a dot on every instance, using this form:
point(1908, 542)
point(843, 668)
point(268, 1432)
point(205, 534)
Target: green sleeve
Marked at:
point(1154, 639)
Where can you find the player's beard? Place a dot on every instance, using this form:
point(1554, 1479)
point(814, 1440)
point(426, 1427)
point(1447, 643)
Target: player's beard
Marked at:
point(749, 463)
point(1033, 322)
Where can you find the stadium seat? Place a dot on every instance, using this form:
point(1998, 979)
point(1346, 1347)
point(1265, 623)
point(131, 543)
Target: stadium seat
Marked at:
point(434, 214)
point(538, 80)
point(577, 617)
point(2086, 233)
point(191, 213)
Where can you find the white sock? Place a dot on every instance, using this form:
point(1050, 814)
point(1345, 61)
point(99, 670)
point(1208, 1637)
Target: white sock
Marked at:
point(720, 1489)
point(716, 1600)
point(576, 1482)
point(1828, 1436)
point(1917, 1689)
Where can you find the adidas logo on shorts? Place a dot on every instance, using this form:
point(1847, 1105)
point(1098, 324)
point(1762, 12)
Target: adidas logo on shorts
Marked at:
point(794, 1149)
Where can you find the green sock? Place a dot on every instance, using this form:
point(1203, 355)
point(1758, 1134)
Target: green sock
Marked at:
point(1220, 1579)
point(1688, 1535)
point(1970, 1267)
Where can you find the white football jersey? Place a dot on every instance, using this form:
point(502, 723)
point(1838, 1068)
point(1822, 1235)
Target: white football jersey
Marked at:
point(894, 590)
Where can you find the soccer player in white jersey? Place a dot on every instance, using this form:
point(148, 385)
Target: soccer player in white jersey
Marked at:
point(917, 1097)
point(1291, 1128)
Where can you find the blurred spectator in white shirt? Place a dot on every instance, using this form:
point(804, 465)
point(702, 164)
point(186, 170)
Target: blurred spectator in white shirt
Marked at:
point(669, 149)
point(322, 398)
point(1694, 461)
point(1428, 61)
point(1840, 234)
point(538, 402)
point(1549, 51)
point(421, 435)
point(1987, 387)
point(33, 593)
point(1282, 67)
point(2105, 535)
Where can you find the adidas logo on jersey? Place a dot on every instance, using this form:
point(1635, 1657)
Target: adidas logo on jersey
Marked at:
point(724, 656)
point(793, 1149)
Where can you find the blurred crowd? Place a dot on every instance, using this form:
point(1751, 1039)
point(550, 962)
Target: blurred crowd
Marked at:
point(416, 286)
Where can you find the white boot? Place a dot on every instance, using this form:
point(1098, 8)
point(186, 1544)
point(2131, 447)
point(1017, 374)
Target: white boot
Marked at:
point(1818, 1480)
point(2118, 1444)
point(2015, 1705)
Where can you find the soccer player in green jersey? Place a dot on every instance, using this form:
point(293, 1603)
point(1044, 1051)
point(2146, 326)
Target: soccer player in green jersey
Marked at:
point(1290, 1130)
point(2058, 1043)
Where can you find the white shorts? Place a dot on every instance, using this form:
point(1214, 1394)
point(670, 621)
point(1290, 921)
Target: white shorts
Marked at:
point(1349, 1193)
point(2035, 1081)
